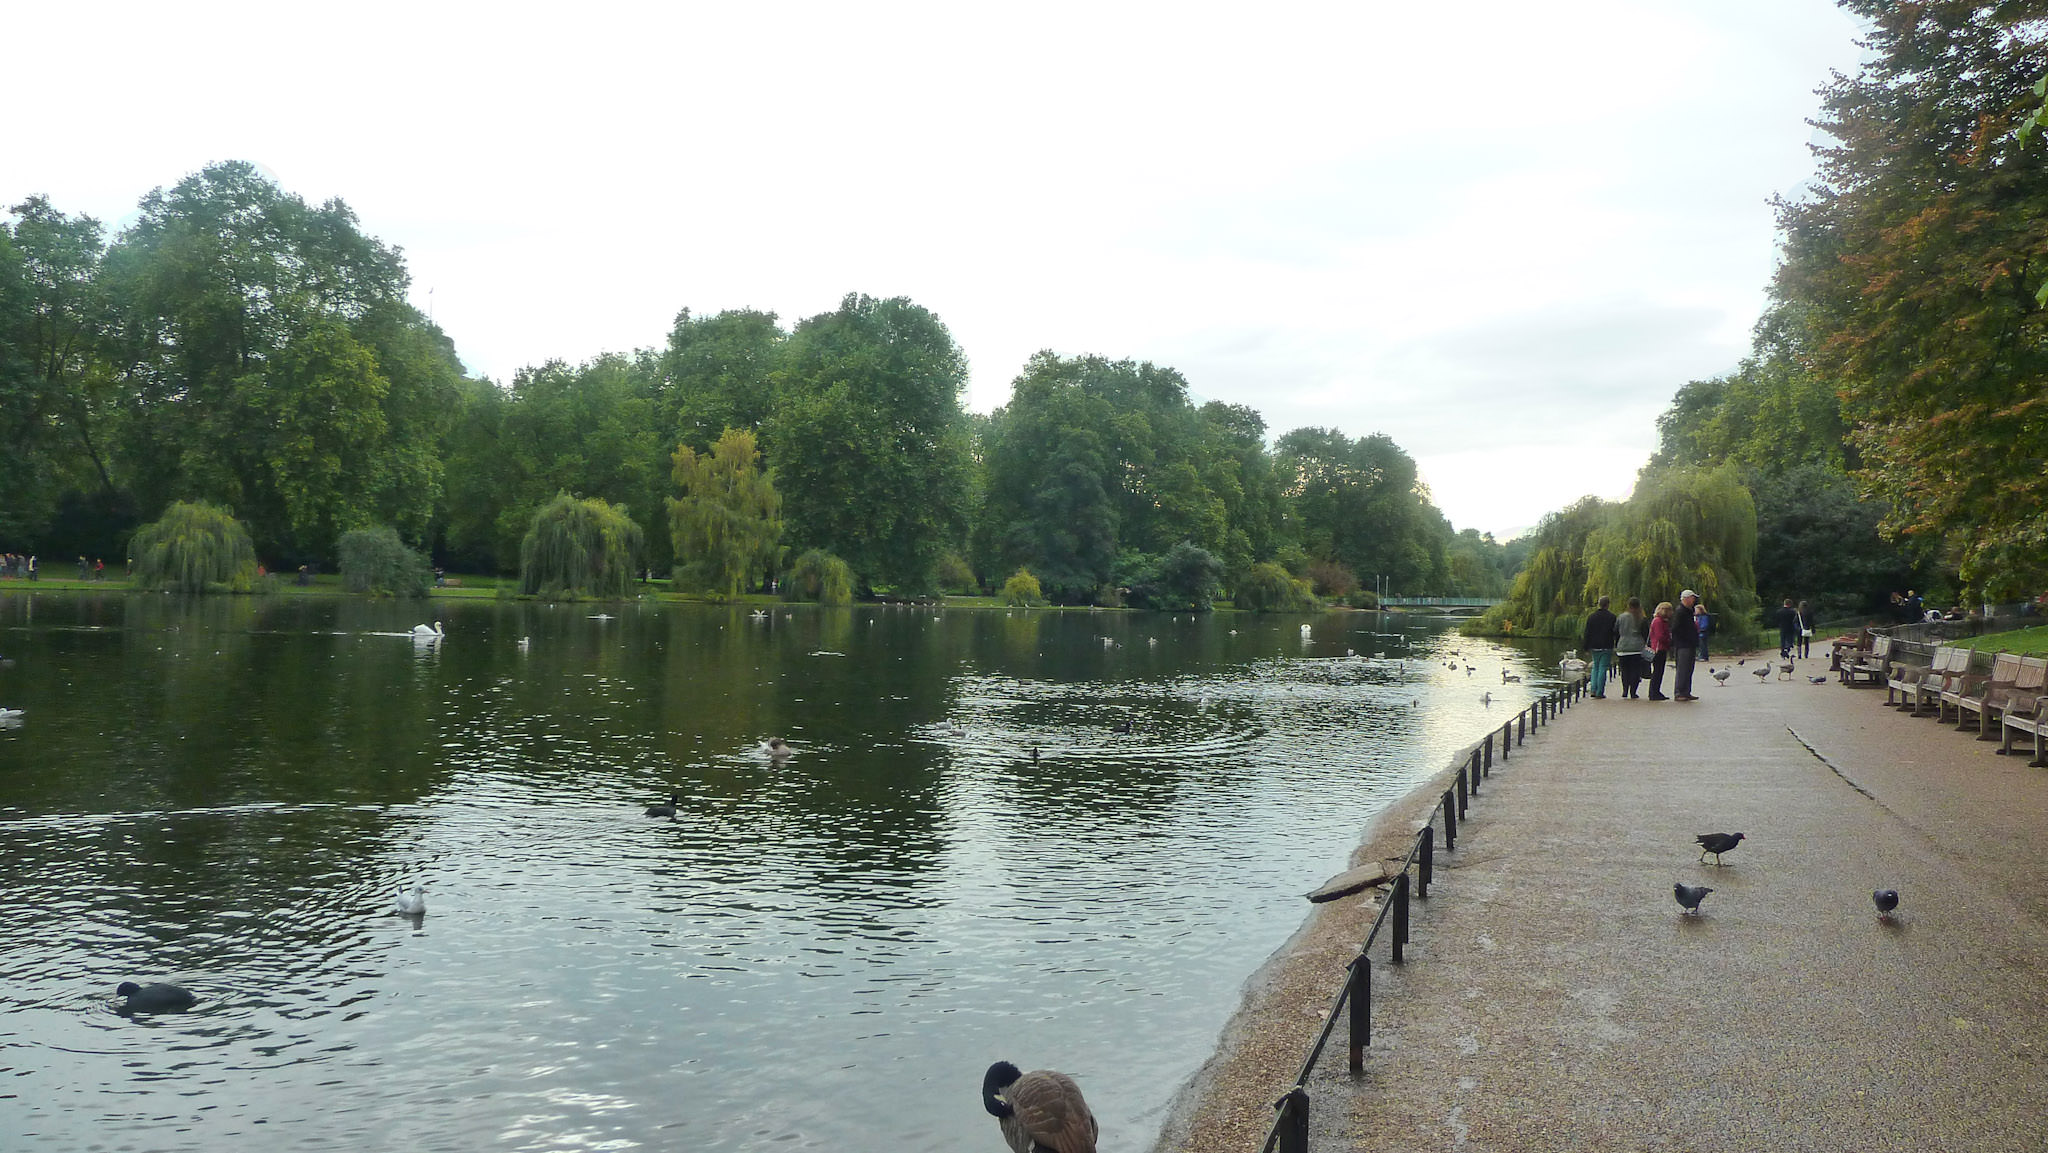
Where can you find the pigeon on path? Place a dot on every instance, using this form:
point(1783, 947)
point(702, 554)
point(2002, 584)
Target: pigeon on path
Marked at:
point(1886, 900)
point(1716, 843)
point(1690, 896)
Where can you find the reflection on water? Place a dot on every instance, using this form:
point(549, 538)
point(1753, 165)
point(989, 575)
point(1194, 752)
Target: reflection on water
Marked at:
point(1060, 839)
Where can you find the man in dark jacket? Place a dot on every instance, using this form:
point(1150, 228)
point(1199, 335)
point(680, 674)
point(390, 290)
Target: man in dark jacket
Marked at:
point(1599, 646)
point(1685, 644)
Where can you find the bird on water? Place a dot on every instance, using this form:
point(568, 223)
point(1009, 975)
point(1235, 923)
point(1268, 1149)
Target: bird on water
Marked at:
point(668, 810)
point(1716, 843)
point(154, 998)
point(412, 904)
point(1886, 900)
point(1690, 896)
point(1038, 1111)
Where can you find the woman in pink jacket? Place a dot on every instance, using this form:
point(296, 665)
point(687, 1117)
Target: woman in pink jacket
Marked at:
point(1660, 649)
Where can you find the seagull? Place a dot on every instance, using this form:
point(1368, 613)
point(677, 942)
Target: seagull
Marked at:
point(1690, 896)
point(1040, 1110)
point(153, 998)
point(413, 904)
point(1886, 900)
point(1720, 676)
point(1716, 843)
point(668, 810)
point(1761, 674)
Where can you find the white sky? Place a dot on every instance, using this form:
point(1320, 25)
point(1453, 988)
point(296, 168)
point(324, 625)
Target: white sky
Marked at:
point(1502, 233)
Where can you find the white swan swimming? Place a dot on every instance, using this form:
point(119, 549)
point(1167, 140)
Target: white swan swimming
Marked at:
point(413, 904)
point(11, 714)
point(423, 632)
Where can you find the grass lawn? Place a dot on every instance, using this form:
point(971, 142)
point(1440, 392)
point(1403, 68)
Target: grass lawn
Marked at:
point(2026, 642)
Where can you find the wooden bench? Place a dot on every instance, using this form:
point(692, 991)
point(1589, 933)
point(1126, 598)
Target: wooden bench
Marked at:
point(1917, 684)
point(1844, 650)
point(1872, 668)
point(1972, 686)
point(2033, 724)
point(1997, 700)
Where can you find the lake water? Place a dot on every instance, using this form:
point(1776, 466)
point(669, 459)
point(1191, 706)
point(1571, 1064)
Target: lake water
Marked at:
point(826, 951)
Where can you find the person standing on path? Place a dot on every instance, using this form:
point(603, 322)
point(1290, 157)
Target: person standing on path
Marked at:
point(1630, 635)
point(1705, 621)
point(1685, 644)
point(1788, 628)
point(1805, 631)
point(1599, 645)
point(1660, 649)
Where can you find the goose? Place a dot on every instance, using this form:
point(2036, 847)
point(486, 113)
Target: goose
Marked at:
point(1508, 678)
point(413, 904)
point(776, 748)
point(425, 632)
point(153, 998)
point(1785, 670)
point(1038, 1110)
point(668, 810)
point(1719, 675)
point(1762, 673)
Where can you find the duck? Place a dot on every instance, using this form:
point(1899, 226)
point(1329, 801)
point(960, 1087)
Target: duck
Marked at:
point(428, 632)
point(154, 998)
point(776, 748)
point(1038, 1110)
point(1508, 678)
point(412, 904)
point(668, 810)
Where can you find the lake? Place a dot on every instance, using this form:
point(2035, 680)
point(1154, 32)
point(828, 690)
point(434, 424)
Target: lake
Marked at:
point(820, 951)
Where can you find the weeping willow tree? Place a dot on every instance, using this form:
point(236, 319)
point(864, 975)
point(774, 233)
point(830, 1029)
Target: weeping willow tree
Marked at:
point(194, 548)
point(728, 522)
point(819, 576)
point(374, 560)
point(579, 548)
point(1683, 528)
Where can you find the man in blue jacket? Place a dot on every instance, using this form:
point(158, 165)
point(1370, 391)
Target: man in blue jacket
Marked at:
point(1599, 645)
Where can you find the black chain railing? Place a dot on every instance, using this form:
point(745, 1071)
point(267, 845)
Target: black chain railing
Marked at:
point(1289, 1133)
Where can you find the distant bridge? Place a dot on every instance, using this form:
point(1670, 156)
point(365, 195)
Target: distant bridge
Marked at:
point(1447, 604)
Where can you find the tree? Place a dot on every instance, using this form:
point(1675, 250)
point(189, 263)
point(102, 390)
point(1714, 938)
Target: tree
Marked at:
point(718, 372)
point(819, 576)
point(194, 548)
point(1915, 264)
point(868, 440)
point(1022, 589)
point(1267, 588)
point(727, 522)
point(579, 548)
point(1361, 503)
point(374, 560)
point(1186, 579)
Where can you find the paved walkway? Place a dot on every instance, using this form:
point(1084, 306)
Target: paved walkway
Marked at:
point(1555, 999)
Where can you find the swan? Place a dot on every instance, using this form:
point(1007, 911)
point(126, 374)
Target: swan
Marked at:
point(525, 644)
point(1304, 632)
point(11, 714)
point(413, 904)
point(154, 998)
point(422, 632)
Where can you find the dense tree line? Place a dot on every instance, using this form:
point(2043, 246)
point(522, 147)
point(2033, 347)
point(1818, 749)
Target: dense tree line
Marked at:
point(238, 347)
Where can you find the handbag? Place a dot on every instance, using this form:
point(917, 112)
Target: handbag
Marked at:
point(1805, 632)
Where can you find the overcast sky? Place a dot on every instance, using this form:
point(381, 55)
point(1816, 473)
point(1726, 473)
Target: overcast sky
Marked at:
point(1501, 233)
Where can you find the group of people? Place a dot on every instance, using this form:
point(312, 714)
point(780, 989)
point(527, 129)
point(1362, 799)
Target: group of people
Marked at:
point(15, 566)
point(1671, 636)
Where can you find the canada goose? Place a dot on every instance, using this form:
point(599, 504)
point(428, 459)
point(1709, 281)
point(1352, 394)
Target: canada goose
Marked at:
point(668, 810)
point(1039, 1110)
point(154, 998)
point(424, 632)
point(413, 904)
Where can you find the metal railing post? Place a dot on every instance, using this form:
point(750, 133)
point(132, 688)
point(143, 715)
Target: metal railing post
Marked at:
point(1489, 756)
point(1400, 915)
point(1450, 804)
point(1425, 860)
point(1466, 776)
point(1294, 1121)
point(1361, 1010)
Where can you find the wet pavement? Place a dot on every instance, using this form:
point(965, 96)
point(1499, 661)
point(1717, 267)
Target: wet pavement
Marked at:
point(1556, 997)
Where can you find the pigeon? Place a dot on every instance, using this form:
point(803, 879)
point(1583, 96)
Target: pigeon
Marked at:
point(1720, 675)
point(1690, 896)
point(1716, 843)
point(1761, 674)
point(1818, 680)
point(1038, 1110)
point(1886, 900)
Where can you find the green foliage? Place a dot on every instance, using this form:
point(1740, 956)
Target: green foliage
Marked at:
point(956, 576)
point(869, 442)
point(1187, 579)
point(374, 560)
point(819, 576)
point(1267, 588)
point(194, 548)
point(579, 548)
point(1360, 504)
point(1022, 589)
point(718, 372)
point(1913, 269)
point(727, 521)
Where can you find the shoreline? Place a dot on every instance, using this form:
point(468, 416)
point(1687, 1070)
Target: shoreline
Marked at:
point(1228, 1102)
